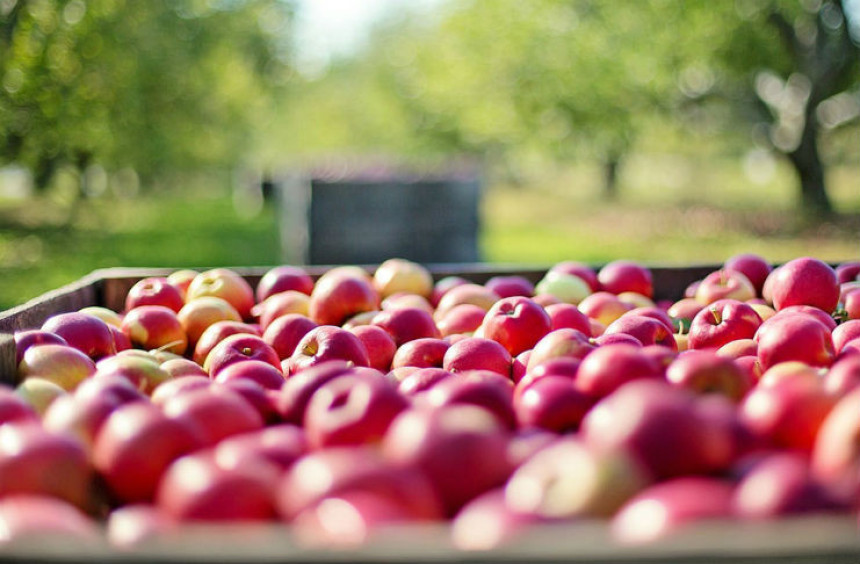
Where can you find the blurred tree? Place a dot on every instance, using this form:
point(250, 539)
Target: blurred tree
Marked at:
point(793, 68)
point(151, 86)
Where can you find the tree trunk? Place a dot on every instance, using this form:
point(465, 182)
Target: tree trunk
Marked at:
point(806, 160)
point(610, 176)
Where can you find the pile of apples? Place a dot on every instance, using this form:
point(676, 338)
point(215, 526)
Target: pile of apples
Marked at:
point(365, 399)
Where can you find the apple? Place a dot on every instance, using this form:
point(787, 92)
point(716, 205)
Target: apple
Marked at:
point(794, 337)
point(279, 304)
point(815, 312)
point(378, 343)
point(262, 373)
point(477, 353)
point(421, 380)
point(154, 290)
point(29, 519)
point(325, 343)
point(560, 343)
point(568, 316)
point(751, 265)
point(80, 417)
point(181, 279)
point(481, 388)
point(284, 333)
point(61, 364)
point(214, 413)
point(848, 272)
point(510, 286)
point(281, 445)
point(684, 310)
point(610, 366)
point(551, 402)
point(704, 372)
point(87, 333)
point(646, 330)
point(579, 269)
point(461, 319)
point(517, 323)
point(806, 281)
point(401, 275)
point(26, 339)
point(402, 300)
point(407, 324)
point(351, 410)
point(421, 353)
point(339, 471)
point(468, 293)
point(488, 523)
point(39, 462)
point(851, 303)
point(155, 327)
point(666, 508)
point(836, 448)
point(722, 322)
point(182, 367)
point(297, 391)
point(115, 387)
point(780, 484)
point(603, 307)
point(13, 408)
point(198, 314)
point(134, 525)
point(725, 284)
point(239, 348)
point(843, 376)
point(284, 278)
point(751, 366)
point(738, 348)
point(570, 478)
point(338, 297)
point(138, 367)
point(39, 393)
point(173, 388)
point(216, 333)
point(109, 316)
point(660, 425)
point(225, 284)
point(787, 413)
point(441, 287)
point(619, 339)
point(626, 276)
point(461, 449)
point(567, 288)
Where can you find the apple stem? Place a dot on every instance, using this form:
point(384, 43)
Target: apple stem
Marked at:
point(717, 317)
point(166, 347)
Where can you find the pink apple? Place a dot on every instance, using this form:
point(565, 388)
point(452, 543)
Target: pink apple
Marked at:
point(806, 281)
point(553, 403)
point(134, 525)
point(407, 324)
point(29, 519)
point(488, 523)
point(646, 330)
point(181, 279)
point(666, 508)
point(626, 276)
point(80, 417)
point(843, 376)
point(836, 450)
point(685, 309)
point(239, 348)
point(154, 290)
point(173, 388)
point(704, 372)
point(296, 393)
point(481, 388)
point(848, 272)
point(279, 304)
point(618, 339)
point(468, 293)
point(815, 312)
point(284, 278)
point(610, 366)
point(14, 409)
point(338, 297)
point(225, 284)
point(262, 373)
point(794, 337)
point(281, 445)
point(725, 284)
point(26, 339)
point(753, 266)
point(568, 316)
point(579, 269)
point(510, 286)
point(421, 380)
point(441, 287)
point(325, 343)
point(378, 343)
point(561, 343)
point(460, 448)
point(87, 333)
point(214, 413)
point(402, 300)
point(182, 367)
point(653, 312)
point(460, 319)
point(351, 410)
point(421, 353)
point(721, 322)
point(401, 275)
point(155, 327)
point(738, 348)
point(216, 333)
point(284, 333)
point(517, 323)
point(476, 353)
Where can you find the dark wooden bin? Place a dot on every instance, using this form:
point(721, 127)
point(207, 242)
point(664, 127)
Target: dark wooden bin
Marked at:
point(367, 220)
point(818, 539)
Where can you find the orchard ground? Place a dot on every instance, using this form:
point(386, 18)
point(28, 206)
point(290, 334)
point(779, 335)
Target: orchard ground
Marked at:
point(664, 214)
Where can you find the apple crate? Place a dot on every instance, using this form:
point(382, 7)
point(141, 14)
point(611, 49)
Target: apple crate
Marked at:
point(814, 539)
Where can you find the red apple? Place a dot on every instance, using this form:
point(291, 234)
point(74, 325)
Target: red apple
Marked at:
point(510, 286)
point(154, 290)
point(482, 388)
point(402, 300)
point(610, 366)
point(181, 279)
point(239, 348)
point(488, 523)
point(813, 311)
point(279, 304)
point(284, 333)
point(461, 319)
point(378, 343)
point(794, 337)
point(351, 410)
point(284, 278)
point(325, 343)
point(725, 284)
point(296, 393)
point(257, 371)
point(31, 519)
point(87, 333)
point(806, 281)
point(851, 303)
point(421, 353)
point(626, 276)
point(685, 310)
point(738, 348)
point(553, 403)
point(421, 381)
point(646, 330)
point(561, 343)
point(39, 462)
point(26, 339)
point(338, 297)
point(843, 376)
point(753, 266)
point(214, 413)
point(182, 367)
point(468, 293)
point(281, 445)
point(155, 327)
point(517, 323)
point(460, 448)
point(173, 388)
point(14, 409)
point(216, 333)
point(836, 450)
point(441, 287)
point(407, 324)
point(225, 284)
point(134, 525)
point(198, 314)
point(704, 372)
point(722, 322)
point(568, 316)
point(476, 353)
point(80, 417)
point(603, 307)
point(848, 272)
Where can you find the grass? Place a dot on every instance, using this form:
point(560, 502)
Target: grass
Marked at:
point(705, 216)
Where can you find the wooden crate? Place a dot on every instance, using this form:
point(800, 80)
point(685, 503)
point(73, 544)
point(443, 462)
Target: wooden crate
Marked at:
point(812, 540)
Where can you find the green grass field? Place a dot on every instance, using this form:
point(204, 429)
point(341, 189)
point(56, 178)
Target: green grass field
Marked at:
point(656, 220)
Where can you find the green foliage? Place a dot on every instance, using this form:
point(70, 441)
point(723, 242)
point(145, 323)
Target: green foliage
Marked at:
point(152, 85)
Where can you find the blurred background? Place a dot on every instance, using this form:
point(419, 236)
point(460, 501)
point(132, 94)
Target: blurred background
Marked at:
point(173, 133)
